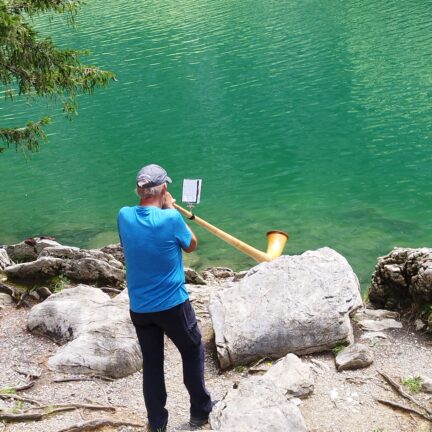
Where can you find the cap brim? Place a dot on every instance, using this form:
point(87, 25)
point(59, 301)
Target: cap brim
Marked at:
point(168, 179)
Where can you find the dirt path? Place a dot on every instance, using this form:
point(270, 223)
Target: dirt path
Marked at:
point(341, 402)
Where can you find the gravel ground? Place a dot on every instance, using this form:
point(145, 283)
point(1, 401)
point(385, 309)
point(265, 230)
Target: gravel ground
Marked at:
point(341, 402)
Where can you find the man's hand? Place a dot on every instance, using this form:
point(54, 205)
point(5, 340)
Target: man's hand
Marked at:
point(168, 201)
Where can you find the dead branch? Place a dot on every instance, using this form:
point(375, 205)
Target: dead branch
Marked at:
point(403, 393)
point(86, 406)
point(405, 408)
point(10, 417)
point(61, 380)
point(98, 423)
point(83, 378)
point(29, 375)
point(22, 387)
point(20, 398)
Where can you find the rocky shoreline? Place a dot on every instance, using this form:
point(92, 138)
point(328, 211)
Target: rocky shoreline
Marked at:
point(308, 305)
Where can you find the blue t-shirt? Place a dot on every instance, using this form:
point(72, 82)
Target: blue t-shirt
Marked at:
point(152, 239)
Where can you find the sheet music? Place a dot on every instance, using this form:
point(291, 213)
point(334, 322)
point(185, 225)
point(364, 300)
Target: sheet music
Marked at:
point(191, 191)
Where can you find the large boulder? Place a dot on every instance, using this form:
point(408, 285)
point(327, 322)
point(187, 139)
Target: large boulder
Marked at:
point(97, 332)
point(29, 249)
point(299, 304)
point(402, 278)
point(5, 260)
point(79, 265)
point(261, 404)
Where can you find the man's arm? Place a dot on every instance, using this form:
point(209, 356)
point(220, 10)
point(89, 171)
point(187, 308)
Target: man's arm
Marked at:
point(193, 244)
point(168, 202)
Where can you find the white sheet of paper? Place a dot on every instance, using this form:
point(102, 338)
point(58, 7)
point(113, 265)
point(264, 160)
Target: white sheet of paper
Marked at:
point(191, 191)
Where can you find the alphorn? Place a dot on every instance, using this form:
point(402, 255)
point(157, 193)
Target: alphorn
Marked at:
point(276, 240)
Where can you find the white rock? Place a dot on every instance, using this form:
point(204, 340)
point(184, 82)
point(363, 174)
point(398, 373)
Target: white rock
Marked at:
point(299, 304)
point(256, 406)
point(292, 376)
point(99, 336)
point(5, 261)
point(384, 324)
point(5, 300)
point(373, 335)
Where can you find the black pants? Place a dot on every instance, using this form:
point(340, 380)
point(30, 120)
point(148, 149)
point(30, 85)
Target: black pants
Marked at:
point(180, 325)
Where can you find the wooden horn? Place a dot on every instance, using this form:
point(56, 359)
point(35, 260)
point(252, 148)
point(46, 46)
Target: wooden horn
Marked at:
point(276, 240)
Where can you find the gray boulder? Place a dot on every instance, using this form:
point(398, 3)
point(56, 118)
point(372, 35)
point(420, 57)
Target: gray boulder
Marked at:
point(97, 332)
point(299, 304)
point(100, 271)
point(402, 278)
point(5, 300)
point(263, 403)
point(116, 250)
point(291, 376)
point(355, 356)
point(29, 249)
point(5, 260)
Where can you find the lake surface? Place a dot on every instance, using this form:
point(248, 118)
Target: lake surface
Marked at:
point(305, 116)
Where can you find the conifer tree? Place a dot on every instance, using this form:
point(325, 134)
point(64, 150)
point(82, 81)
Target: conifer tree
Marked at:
point(32, 66)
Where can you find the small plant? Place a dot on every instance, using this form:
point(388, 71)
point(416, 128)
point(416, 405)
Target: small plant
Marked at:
point(7, 390)
point(338, 348)
point(239, 369)
point(378, 430)
point(17, 407)
point(59, 282)
point(412, 384)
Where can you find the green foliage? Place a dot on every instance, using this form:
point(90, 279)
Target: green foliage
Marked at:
point(18, 406)
point(240, 369)
point(58, 283)
point(412, 384)
point(7, 390)
point(338, 348)
point(35, 67)
point(378, 430)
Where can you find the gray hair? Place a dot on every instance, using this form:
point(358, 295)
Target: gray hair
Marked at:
point(152, 192)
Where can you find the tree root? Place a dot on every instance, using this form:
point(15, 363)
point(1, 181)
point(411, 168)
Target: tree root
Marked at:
point(403, 393)
point(98, 423)
point(404, 407)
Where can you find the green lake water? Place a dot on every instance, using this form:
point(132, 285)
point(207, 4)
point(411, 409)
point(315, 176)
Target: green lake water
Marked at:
point(306, 116)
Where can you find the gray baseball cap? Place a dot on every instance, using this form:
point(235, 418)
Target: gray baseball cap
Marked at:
point(152, 175)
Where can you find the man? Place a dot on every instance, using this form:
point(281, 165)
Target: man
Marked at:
point(153, 236)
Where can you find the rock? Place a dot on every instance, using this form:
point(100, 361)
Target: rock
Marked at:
point(385, 324)
point(73, 253)
point(355, 356)
point(193, 277)
point(401, 278)
point(99, 336)
point(376, 314)
point(256, 406)
point(299, 304)
point(29, 249)
point(116, 250)
point(373, 335)
point(426, 384)
point(43, 292)
point(292, 376)
point(5, 300)
point(216, 274)
point(419, 324)
point(89, 270)
point(5, 260)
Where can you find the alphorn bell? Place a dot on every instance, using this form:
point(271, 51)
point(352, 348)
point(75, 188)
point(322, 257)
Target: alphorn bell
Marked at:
point(276, 240)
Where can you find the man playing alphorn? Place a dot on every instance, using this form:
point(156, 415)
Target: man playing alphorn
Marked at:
point(153, 235)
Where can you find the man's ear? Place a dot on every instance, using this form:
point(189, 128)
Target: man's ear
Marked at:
point(164, 188)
